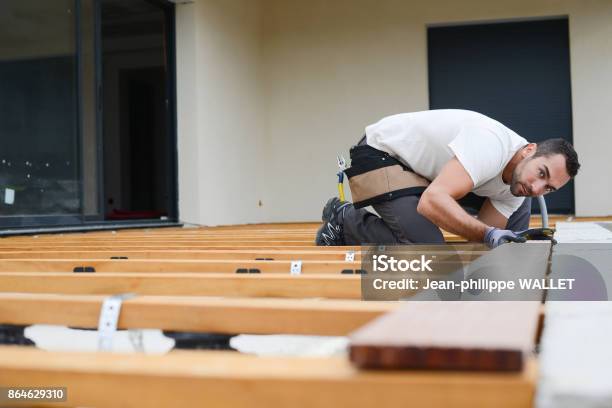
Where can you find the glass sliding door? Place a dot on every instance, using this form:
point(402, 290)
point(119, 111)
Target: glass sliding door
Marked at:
point(40, 182)
point(87, 113)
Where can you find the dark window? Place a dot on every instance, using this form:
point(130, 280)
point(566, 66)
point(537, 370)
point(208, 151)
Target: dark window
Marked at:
point(39, 162)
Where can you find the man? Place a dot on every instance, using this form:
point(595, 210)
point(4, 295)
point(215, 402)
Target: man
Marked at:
point(422, 170)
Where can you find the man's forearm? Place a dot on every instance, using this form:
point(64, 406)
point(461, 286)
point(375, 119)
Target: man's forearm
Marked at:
point(446, 213)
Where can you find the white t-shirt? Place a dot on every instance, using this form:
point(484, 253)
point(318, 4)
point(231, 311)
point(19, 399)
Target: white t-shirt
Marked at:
point(427, 140)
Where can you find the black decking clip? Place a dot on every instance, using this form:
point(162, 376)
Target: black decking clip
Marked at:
point(84, 269)
point(249, 270)
point(353, 271)
point(13, 334)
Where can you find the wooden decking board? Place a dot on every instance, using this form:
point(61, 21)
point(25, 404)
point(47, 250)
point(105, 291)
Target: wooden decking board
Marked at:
point(450, 336)
point(476, 335)
point(198, 314)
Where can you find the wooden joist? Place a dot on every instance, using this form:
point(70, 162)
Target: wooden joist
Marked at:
point(181, 237)
point(237, 255)
point(304, 238)
point(185, 265)
point(249, 254)
point(161, 247)
point(198, 314)
point(228, 379)
point(216, 242)
point(162, 239)
point(185, 284)
point(167, 243)
point(174, 265)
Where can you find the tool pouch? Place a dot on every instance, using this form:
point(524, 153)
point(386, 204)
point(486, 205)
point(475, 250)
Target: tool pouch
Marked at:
point(375, 177)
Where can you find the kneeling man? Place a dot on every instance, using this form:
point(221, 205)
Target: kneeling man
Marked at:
point(423, 171)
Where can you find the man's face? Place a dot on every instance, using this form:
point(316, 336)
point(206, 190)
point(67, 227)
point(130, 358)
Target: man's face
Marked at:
point(535, 176)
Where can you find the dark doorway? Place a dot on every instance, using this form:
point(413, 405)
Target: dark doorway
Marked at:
point(143, 141)
point(137, 117)
point(517, 73)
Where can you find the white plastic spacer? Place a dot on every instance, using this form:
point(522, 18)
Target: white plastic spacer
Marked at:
point(109, 317)
point(296, 268)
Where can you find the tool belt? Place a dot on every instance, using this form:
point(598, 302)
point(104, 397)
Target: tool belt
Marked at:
point(375, 177)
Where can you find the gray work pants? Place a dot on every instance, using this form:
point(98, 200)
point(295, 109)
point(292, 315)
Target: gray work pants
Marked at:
point(400, 223)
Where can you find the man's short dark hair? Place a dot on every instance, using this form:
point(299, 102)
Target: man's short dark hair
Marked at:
point(551, 147)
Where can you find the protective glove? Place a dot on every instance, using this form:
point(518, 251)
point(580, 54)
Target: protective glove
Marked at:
point(494, 237)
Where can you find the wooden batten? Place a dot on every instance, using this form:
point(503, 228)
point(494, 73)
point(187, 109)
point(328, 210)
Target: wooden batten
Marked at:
point(185, 284)
point(219, 379)
point(197, 314)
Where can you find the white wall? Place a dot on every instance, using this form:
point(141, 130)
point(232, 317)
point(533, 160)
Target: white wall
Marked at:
point(329, 68)
point(188, 144)
point(591, 53)
point(220, 112)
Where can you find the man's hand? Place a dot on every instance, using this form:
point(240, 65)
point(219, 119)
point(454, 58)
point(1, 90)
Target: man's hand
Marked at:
point(494, 237)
